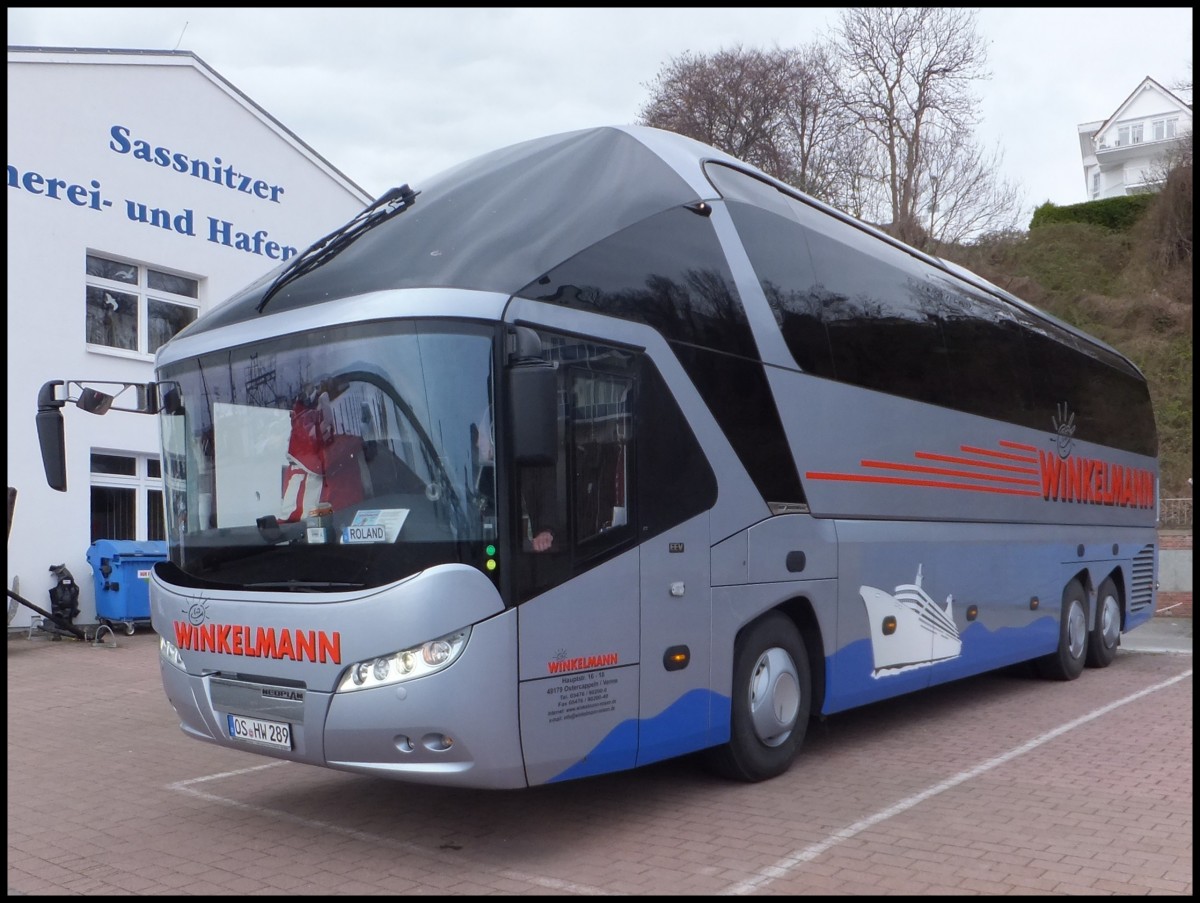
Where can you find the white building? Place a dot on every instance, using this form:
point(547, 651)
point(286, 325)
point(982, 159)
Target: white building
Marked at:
point(143, 188)
point(1125, 153)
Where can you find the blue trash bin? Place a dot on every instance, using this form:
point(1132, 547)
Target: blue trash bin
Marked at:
point(121, 570)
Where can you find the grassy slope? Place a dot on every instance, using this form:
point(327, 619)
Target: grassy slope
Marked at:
point(1133, 290)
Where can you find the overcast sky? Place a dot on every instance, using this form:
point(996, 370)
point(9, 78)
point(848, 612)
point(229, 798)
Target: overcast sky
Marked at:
point(396, 95)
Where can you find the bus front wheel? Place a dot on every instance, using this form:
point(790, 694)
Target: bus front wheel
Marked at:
point(1066, 662)
point(1106, 634)
point(772, 700)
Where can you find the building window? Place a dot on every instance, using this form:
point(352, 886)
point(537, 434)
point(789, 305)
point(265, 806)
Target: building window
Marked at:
point(1164, 128)
point(1129, 134)
point(127, 496)
point(1095, 184)
point(136, 308)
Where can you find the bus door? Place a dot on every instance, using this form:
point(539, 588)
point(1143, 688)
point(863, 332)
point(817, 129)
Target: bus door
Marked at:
point(614, 611)
point(676, 642)
point(577, 578)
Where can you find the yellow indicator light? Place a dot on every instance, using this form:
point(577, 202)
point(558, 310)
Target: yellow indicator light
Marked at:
point(676, 658)
point(491, 565)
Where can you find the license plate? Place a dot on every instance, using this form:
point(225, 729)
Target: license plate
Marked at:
point(255, 730)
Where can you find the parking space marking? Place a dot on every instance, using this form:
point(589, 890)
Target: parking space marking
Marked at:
point(188, 787)
point(184, 785)
point(784, 866)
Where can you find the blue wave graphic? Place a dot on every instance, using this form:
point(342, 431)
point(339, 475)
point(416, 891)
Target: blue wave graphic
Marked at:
point(698, 719)
point(852, 683)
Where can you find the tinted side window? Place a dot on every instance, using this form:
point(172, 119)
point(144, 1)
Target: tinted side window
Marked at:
point(739, 397)
point(1099, 402)
point(1053, 357)
point(602, 436)
point(667, 271)
point(735, 185)
point(882, 314)
point(985, 345)
point(778, 250)
point(860, 310)
point(628, 466)
point(675, 480)
point(1117, 408)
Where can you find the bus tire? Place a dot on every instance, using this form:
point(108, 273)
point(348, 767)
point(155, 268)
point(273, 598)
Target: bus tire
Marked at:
point(1066, 662)
point(1106, 634)
point(772, 700)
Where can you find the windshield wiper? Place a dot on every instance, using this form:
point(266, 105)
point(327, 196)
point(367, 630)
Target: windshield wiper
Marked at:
point(394, 201)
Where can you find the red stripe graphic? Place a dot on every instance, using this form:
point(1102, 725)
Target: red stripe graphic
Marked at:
point(1020, 446)
point(984, 478)
point(951, 459)
point(1073, 479)
point(983, 451)
point(917, 468)
point(898, 481)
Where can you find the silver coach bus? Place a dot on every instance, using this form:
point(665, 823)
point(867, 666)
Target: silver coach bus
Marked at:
point(607, 448)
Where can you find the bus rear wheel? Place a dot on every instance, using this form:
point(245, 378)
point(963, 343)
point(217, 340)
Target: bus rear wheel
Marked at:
point(1106, 634)
point(1066, 662)
point(772, 701)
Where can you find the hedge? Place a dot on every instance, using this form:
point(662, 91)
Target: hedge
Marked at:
point(1117, 214)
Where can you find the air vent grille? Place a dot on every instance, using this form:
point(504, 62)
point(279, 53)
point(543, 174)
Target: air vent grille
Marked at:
point(1141, 593)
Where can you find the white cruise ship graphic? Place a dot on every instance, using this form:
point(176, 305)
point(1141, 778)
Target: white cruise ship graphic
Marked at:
point(908, 629)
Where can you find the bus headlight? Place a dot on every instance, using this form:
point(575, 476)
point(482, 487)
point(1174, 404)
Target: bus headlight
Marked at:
point(407, 664)
point(169, 653)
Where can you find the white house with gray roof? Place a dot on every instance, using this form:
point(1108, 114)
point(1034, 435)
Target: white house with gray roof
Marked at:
point(1126, 153)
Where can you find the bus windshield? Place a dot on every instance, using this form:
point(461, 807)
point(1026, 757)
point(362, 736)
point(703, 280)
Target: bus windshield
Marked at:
point(343, 458)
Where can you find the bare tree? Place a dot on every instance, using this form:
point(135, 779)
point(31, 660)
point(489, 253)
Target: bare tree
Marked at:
point(961, 196)
point(771, 108)
point(1169, 220)
point(1175, 155)
point(1184, 84)
point(880, 125)
point(820, 159)
point(906, 75)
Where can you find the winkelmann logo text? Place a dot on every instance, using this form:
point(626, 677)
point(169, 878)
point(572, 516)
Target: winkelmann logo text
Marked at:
point(260, 642)
point(1095, 482)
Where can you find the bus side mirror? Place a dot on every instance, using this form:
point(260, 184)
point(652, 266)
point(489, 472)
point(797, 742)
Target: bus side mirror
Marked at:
point(51, 437)
point(164, 397)
point(94, 402)
point(533, 410)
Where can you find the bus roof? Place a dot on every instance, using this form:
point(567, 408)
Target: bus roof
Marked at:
point(498, 222)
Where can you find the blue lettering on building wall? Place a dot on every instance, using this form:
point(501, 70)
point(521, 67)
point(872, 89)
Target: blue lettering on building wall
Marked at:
point(212, 170)
point(57, 189)
point(223, 232)
point(156, 216)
